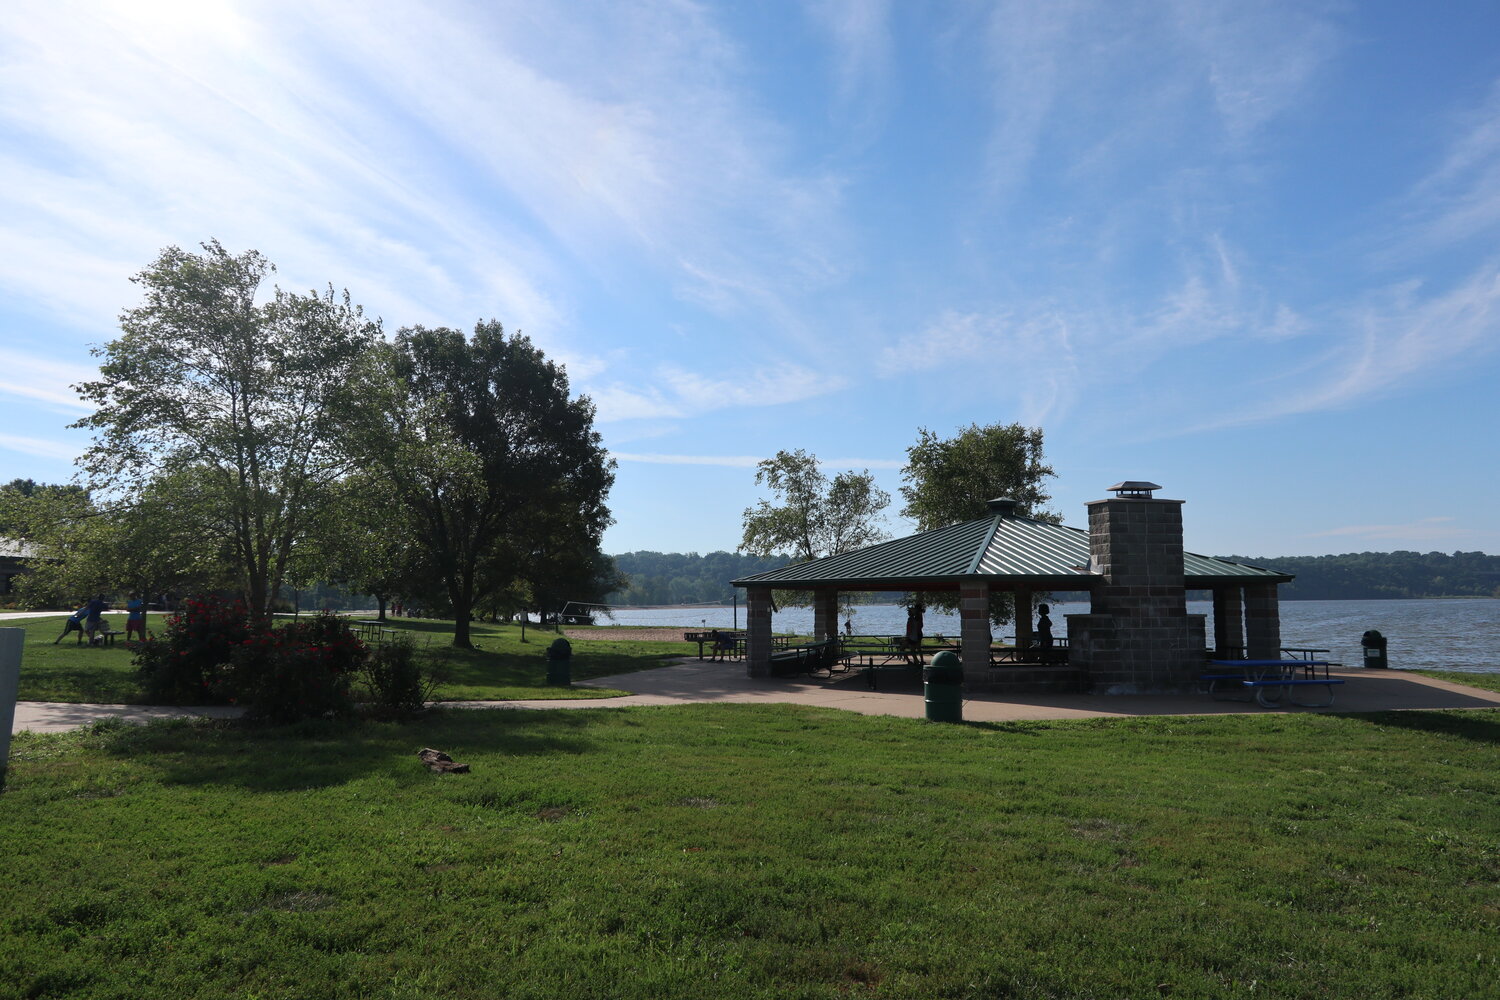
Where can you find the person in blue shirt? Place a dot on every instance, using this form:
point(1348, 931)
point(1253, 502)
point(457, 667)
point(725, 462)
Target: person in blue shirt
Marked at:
point(73, 624)
point(94, 624)
point(135, 617)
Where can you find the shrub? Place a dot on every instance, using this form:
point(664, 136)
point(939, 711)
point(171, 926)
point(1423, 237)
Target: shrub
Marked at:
point(184, 665)
point(301, 670)
point(398, 683)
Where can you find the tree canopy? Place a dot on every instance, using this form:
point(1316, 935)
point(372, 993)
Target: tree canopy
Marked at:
point(814, 516)
point(242, 397)
point(496, 466)
point(950, 480)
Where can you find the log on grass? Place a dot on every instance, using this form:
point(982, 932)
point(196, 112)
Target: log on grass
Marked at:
point(440, 763)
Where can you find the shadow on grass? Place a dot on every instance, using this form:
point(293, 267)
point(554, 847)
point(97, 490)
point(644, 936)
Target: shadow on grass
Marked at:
point(1481, 728)
point(322, 753)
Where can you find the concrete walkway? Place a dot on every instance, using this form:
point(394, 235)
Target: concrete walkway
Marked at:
point(705, 682)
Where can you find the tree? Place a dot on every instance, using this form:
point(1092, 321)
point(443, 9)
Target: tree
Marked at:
point(483, 447)
point(950, 481)
point(246, 395)
point(817, 517)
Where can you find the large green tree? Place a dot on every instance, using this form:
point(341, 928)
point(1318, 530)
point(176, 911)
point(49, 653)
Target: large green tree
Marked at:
point(812, 516)
point(487, 453)
point(245, 394)
point(949, 480)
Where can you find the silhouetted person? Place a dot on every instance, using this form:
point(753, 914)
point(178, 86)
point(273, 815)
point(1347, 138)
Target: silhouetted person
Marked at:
point(1043, 627)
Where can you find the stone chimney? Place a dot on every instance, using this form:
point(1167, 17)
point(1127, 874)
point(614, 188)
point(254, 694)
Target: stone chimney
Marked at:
point(1139, 636)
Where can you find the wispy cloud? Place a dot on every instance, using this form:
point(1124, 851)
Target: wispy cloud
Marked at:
point(860, 33)
point(750, 461)
point(37, 447)
point(676, 391)
point(1428, 529)
point(44, 379)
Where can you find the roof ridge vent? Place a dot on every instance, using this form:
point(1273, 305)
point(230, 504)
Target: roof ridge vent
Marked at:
point(1004, 506)
point(1134, 490)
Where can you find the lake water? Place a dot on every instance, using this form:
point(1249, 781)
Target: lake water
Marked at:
point(1433, 634)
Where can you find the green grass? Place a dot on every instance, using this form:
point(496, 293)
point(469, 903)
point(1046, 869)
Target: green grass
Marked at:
point(1489, 682)
point(502, 667)
point(757, 851)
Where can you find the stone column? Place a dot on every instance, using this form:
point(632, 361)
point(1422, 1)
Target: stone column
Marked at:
point(974, 619)
point(1023, 619)
point(1262, 622)
point(1229, 624)
point(825, 614)
point(758, 631)
point(1135, 544)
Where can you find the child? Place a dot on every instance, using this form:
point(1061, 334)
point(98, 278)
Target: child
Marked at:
point(135, 617)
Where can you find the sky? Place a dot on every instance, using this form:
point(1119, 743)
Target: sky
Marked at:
point(1250, 252)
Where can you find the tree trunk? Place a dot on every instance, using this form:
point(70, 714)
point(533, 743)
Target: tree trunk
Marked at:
point(381, 599)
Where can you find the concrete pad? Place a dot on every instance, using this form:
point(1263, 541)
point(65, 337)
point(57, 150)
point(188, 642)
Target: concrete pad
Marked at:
point(693, 681)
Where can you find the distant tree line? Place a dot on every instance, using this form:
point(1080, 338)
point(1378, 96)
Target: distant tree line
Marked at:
point(686, 577)
point(1385, 575)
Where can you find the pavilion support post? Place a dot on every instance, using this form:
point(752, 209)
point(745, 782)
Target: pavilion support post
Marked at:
point(974, 622)
point(1262, 622)
point(758, 631)
point(825, 614)
point(1229, 623)
point(1023, 619)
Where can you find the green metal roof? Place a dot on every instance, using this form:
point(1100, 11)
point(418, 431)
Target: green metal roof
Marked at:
point(1002, 547)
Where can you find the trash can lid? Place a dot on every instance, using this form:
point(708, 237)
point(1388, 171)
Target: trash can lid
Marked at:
point(947, 658)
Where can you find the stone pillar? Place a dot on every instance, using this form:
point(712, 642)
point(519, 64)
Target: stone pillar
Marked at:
point(1229, 625)
point(758, 631)
point(825, 614)
point(1262, 622)
point(974, 620)
point(1135, 544)
point(1023, 619)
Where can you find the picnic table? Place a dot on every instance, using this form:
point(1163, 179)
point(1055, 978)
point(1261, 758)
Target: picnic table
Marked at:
point(722, 641)
point(1270, 681)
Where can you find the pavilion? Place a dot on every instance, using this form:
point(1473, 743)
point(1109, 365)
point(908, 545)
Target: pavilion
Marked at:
point(1137, 636)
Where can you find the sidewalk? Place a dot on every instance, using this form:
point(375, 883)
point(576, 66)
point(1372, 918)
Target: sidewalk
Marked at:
point(705, 682)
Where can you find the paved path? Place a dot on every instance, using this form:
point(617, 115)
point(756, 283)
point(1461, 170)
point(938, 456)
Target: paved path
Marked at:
point(697, 682)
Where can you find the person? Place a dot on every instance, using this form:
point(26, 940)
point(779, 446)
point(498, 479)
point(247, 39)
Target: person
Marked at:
point(849, 627)
point(74, 623)
point(914, 631)
point(94, 623)
point(1043, 627)
point(135, 617)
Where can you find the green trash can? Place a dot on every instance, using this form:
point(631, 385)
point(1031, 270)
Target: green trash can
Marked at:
point(560, 663)
point(1374, 645)
point(943, 688)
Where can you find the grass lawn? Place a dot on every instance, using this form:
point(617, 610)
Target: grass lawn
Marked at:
point(502, 667)
point(757, 851)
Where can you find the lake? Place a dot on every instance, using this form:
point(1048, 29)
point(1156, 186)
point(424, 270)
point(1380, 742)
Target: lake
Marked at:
point(1431, 634)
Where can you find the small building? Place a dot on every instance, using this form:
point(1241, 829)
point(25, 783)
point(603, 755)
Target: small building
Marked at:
point(1137, 636)
point(13, 556)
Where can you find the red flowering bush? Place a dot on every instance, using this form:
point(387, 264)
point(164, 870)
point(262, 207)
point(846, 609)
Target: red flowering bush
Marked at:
point(302, 669)
point(183, 665)
point(212, 653)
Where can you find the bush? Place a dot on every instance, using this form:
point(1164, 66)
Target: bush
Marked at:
point(397, 682)
point(301, 670)
point(184, 665)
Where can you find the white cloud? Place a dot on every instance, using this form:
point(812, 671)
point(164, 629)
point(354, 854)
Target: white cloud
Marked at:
point(1428, 529)
point(679, 392)
point(45, 379)
point(37, 447)
point(751, 461)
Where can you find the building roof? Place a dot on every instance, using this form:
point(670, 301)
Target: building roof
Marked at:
point(1003, 548)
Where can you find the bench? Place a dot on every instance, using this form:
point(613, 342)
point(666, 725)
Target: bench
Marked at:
point(805, 659)
point(1262, 687)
